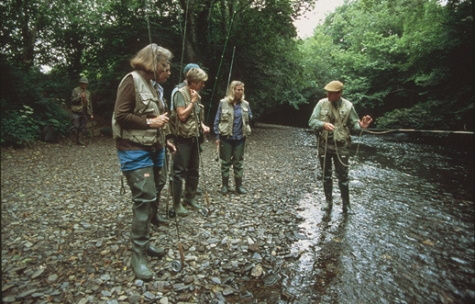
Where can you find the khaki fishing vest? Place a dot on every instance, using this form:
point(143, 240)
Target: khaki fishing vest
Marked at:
point(226, 119)
point(191, 127)
point(146, 104)
point(341, 134)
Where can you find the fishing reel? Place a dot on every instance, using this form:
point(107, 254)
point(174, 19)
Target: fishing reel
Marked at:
point(204, 211)
point(176, 266)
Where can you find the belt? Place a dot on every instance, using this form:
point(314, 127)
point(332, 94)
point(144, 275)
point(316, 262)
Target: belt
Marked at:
point(186, 139)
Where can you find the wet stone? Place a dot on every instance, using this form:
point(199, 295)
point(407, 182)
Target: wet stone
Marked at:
point(134, 298)
point(52, 278)
point(148, 296)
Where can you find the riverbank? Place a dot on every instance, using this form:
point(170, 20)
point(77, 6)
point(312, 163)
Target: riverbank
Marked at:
point(65, 225)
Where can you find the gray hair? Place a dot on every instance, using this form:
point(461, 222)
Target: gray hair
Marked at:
point(150, 59)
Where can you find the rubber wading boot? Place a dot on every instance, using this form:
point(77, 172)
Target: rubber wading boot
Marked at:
point(327, 205)
point(224, 187)
point(140, 236)
point(78, 139)
point(157, 220)
point(239, 188)
point(345, 198)
point(155, 252)
point(179, 209)
point(347, 208)
point(327, 189)
point(192, 202)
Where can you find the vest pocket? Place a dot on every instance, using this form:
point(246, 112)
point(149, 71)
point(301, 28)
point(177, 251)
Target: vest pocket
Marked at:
point(225, 115)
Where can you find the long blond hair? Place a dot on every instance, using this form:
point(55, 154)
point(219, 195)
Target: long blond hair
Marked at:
point(230, 94)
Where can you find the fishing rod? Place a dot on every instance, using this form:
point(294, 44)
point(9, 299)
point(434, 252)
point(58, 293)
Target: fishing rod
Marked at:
point(220, 64)
point(384, 131)
point(204, 211)
point(175, 264)
point(183, 42)
point(231, 68)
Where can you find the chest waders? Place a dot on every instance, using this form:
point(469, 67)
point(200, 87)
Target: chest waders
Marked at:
point(341, 169)
point(142, 186)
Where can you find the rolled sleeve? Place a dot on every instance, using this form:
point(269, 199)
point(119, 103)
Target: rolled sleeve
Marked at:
point(314, 122)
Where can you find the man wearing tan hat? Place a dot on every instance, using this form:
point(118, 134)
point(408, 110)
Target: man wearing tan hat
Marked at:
point(333, 118)
point(81, 107)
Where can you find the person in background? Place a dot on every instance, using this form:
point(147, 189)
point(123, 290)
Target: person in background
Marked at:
point(138, 125)
point(232, 126)
point(188, 122)
point(334, 118)
point(81, 107)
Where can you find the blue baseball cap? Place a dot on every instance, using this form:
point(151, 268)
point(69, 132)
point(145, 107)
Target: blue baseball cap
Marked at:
point(190, 66)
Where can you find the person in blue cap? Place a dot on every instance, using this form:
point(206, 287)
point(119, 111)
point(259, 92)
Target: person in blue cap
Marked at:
point(183, 83)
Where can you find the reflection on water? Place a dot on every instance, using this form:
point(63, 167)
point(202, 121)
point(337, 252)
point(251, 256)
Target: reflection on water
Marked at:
point(411, 239)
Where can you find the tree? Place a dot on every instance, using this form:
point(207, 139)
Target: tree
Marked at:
point(405, 56)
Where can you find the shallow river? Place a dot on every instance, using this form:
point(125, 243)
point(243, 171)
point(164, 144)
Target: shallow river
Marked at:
point(411, 239)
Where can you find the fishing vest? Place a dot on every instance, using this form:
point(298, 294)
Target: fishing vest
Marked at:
point(77, 104)
point(337, 117)
point(191, 127)
point(146, 105)
point(226, 120)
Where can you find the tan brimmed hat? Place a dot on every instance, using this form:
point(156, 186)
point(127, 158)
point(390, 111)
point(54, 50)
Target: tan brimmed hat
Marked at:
point(83, 80)
point(334, 86)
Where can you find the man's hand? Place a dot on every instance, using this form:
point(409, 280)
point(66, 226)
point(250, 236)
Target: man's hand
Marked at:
point(365, 121)
point(328, 126)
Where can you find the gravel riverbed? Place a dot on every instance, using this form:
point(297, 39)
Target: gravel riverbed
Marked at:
point(66, 226)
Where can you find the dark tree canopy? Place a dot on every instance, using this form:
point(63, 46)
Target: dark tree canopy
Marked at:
point(407, 63)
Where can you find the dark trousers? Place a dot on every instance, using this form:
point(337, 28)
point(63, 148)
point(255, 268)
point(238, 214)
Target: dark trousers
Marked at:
point(186, 166)
point(341, 169)
point(79, 121)
point(231, 153)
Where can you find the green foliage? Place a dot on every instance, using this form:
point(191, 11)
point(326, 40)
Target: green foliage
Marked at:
point(18, 127)
point(27, 107)
point(404, 55)
point(405, 62)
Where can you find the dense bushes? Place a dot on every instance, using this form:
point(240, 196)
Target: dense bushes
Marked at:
point(26, 107)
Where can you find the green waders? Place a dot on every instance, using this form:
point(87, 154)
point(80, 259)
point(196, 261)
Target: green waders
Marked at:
point(160, 176)
point(186, 164)
point(231, 153)
point(142, 186)
point(341, 170)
